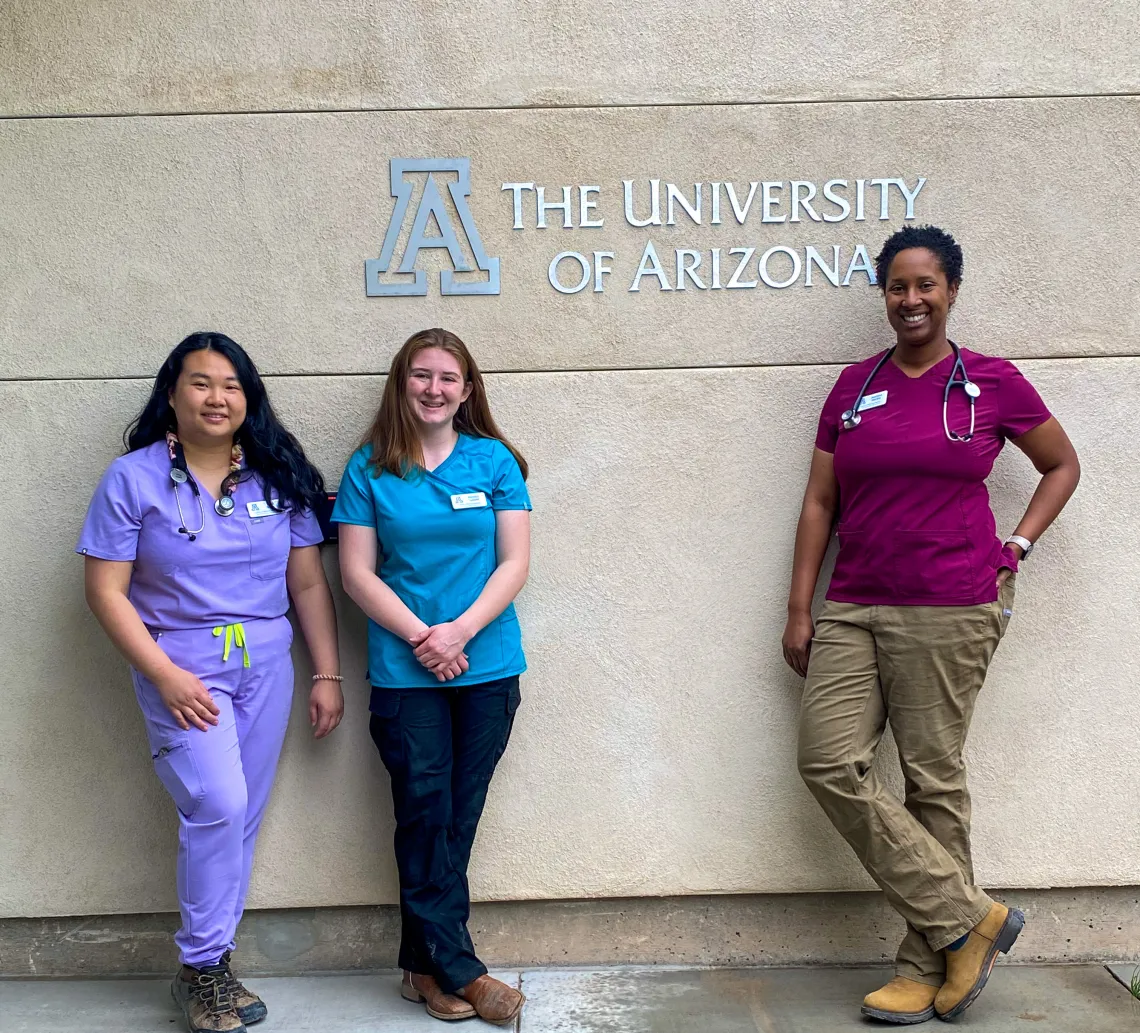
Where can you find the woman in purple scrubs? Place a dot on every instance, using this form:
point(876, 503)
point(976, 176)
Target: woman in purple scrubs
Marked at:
point(195, 542)
point(921, 595)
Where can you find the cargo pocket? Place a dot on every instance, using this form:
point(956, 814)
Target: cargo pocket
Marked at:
point(514, 698)
point(514, 695)
point(385, 729)
point(178, 772)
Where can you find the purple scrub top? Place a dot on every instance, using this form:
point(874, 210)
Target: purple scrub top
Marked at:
point(233, 571)
point(915, 525)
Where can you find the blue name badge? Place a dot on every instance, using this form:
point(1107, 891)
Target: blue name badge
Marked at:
point(873, 401)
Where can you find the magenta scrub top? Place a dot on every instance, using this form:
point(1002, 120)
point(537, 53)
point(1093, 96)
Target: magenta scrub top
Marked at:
point(233, 571)
point(915, 525)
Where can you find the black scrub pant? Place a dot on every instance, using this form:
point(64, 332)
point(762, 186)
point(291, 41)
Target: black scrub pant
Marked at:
point(441, 747)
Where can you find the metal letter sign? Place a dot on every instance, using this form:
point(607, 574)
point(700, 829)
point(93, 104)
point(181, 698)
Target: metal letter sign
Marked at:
point(431, 204)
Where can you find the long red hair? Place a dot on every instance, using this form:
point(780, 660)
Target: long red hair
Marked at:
point(393, 435)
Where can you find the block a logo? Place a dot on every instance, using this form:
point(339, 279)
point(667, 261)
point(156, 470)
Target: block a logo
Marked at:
point(431, 206)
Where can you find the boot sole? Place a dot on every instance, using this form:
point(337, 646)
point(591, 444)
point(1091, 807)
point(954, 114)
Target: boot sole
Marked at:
point(903, 1018)
point(1004, 941)
point(410, 993)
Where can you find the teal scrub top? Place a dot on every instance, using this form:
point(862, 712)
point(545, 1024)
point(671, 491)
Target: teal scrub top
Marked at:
point(436, 551)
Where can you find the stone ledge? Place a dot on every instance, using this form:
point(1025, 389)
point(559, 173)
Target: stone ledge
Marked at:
point(1063, 925)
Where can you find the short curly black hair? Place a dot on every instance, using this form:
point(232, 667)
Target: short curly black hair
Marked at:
point(937, 241)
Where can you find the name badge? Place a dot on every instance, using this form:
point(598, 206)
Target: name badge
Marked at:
point(257, 510)
point(472, 500)
point(873, 401)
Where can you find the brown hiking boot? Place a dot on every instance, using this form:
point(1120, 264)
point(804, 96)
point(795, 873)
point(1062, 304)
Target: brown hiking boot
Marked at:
point(247, 1004)
point(494, 1000)
point(440, 1005)
point(205, 1002)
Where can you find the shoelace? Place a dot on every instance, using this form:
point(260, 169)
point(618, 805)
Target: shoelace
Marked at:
point(214, 993)
point(232, 985)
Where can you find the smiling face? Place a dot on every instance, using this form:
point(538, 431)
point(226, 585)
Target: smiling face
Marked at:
point(208, 400)
point(918, 297)
point(435, 388)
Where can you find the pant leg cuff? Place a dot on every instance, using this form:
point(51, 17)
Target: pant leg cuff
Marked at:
point(410, 963)
point(203, 959)
point(918, 977)
point(944, 941)
point(458, 978)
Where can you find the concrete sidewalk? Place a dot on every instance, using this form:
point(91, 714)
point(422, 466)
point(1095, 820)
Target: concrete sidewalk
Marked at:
point(1041, 999)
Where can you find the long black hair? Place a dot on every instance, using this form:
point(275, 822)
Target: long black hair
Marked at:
point(272, 454)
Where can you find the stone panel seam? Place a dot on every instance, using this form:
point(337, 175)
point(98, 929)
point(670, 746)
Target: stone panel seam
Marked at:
point(327, 374)
point(794, 102)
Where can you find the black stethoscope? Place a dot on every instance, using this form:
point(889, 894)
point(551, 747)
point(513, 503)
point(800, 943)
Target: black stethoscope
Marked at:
point(223, 507)
point(958, 378)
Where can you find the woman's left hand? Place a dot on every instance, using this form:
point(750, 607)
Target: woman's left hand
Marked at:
point(441, 644)
point(1003, 576)
point(326, 707)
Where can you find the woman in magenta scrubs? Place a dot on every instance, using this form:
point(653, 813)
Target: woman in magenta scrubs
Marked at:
point(195, 542)
point(921, 595)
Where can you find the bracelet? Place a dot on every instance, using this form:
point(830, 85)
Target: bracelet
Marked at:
point(327, 677)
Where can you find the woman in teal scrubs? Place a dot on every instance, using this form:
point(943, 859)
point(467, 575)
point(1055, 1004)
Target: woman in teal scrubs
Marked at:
point(434, 546)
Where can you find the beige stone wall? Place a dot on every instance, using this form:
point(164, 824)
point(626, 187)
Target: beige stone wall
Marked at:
point(668, 432)
point(187, 55)
point(262, 224)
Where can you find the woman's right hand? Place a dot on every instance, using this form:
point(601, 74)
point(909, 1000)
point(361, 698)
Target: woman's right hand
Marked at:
point(187, 699)
point(798, 634)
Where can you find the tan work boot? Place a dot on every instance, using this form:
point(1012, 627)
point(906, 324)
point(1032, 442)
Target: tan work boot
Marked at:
point(968, 967)
point(205, 1002)
point(902, 1001)
point(448, 1007)
point(495, 1002)
point(247, 1004)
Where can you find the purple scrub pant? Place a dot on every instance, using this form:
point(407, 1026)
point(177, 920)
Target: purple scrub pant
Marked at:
point(220, 779)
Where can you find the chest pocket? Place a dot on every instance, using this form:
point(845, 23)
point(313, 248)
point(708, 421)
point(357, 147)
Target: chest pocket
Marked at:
point(269, 539)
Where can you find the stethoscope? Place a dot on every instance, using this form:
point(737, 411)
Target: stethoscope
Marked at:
point(223, 507)
point(851, 418)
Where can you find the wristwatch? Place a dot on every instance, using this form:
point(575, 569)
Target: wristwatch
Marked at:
point(1024, 543)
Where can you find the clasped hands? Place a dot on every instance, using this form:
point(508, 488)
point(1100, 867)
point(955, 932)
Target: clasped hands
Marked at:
point(440, 649)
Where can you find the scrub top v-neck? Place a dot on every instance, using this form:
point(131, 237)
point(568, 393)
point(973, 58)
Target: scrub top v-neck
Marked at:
point(436, 550)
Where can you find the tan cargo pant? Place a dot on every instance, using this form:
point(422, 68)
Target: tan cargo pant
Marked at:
point(919, 667)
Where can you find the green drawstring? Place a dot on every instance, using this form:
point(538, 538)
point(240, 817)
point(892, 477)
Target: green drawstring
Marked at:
point(235, 636)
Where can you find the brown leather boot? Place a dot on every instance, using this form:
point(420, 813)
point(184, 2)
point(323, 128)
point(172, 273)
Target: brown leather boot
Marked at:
point(902, 1001)
point(495, 1002)
point(968, 967)
point(448, 1007)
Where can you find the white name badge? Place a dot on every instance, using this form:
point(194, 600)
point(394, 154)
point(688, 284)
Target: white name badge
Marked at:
point(472, 500)
point(873, 401)
point(257, 510)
